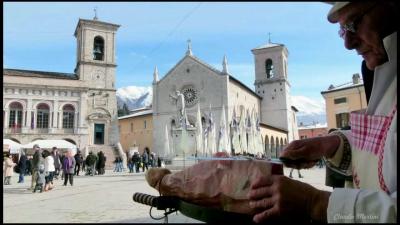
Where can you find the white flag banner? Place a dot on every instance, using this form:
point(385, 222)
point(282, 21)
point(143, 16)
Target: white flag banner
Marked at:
point(250, 135)
point(235, 133)
point(199, 133)
point(222, 134)
point(211, 145)
point(259, 138)
point(167, 152)
point(243, 134)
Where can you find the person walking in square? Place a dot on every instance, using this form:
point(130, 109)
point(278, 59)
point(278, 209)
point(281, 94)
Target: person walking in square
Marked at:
point(8, 168)
point(145, 159)
point(68, 167)
point(49, 170)
point(298, 173)
point(136, 161)
point(78, 159)
point(90, 161)
point(22, 166)
point(57, 162)
point(36, 162)
point(40, 179)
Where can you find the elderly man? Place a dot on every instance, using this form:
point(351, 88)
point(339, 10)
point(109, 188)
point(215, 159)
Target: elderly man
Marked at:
point(368, 151)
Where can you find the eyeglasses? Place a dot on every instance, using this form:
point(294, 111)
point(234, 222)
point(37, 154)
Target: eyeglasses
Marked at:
point(353, 25)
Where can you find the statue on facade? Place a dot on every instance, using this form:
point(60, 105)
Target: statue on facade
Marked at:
point(180, 104)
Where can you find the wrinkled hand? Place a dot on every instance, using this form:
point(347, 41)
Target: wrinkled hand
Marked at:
point(280, 197)
point(310, 150)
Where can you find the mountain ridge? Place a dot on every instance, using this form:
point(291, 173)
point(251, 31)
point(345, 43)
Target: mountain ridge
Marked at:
point(310, 111)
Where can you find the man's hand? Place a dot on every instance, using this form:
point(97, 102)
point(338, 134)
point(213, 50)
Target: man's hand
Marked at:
point(281, 197)
point(310, 150)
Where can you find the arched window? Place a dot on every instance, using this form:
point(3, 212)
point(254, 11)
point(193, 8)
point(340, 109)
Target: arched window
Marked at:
point(15, 119)
point(281, 144)
point(269, 68)
point(42, 120)
point(98, 48)
point(267, 147)
point(278, 147)
point(68, 116)
point(273, 149)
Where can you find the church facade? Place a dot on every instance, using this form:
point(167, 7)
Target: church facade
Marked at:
point(79, 107)
point(215, 92)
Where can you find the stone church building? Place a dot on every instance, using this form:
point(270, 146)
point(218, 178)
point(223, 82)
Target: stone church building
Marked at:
point(212, 89)
point(79, 107)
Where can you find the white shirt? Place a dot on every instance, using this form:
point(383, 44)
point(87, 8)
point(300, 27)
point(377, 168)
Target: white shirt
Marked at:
point(49, 164)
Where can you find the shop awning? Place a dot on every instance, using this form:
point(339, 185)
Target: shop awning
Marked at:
point(12, 146)
point(62, 145)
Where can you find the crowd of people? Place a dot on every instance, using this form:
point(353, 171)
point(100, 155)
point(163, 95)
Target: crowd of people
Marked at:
point(46, 166)
point(138, 162)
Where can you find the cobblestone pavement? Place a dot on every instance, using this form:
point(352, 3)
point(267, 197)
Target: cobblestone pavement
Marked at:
point(105, 198)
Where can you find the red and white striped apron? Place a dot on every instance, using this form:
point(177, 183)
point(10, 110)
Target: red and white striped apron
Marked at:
point(369, 134)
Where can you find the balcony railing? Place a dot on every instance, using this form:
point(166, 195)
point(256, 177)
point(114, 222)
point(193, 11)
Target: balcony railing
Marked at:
point(18, 130)
point(14, 130)
point(42, 130)
point(67, 130)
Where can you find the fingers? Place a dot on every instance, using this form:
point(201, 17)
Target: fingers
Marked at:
point(295, 153)
point(264, 203)
point(261, 181)
point(260, 192)
point(266, 214)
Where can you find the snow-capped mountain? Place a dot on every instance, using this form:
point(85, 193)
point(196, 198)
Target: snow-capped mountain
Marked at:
point(310, 111)
point(134, 97)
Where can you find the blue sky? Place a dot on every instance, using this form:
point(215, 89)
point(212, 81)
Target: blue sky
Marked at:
point(39, 36)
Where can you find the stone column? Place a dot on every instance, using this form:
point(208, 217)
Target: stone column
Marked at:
point(16, 120)
point(24, 126)
point(34, 119)
point(51, 121)
point(24, 114)
point(6, 115)
point(29, 114)
point(83, 108)
point(60, 119)
point(55, 110)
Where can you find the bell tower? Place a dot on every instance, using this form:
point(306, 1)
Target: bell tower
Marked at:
point(96, 68)
point(96, 53)
point(271, 83)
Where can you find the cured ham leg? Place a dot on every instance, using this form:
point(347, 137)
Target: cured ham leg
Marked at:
point(221, 184)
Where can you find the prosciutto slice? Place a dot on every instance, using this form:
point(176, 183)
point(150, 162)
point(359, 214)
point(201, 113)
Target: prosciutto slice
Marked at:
point(221, 184)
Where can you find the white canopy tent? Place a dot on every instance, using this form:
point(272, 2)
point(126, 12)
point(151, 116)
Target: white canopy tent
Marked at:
point(13, 147)
point(62, 145)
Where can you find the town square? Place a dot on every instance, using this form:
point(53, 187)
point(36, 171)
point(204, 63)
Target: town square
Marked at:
point(200, 112)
